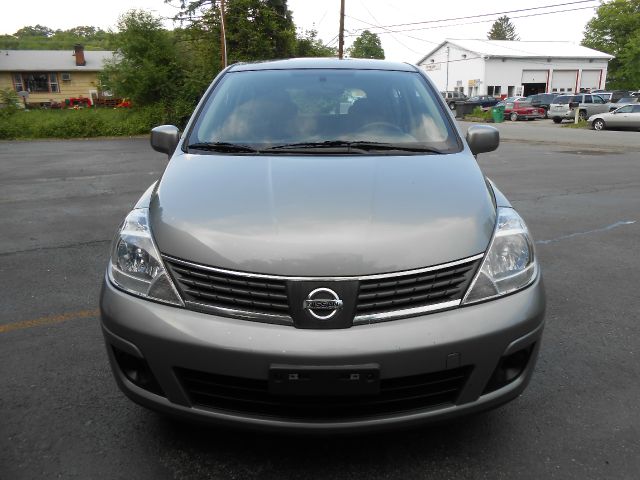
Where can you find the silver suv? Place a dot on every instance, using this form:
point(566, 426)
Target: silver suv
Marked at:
point(322, 253)
point(564, 107)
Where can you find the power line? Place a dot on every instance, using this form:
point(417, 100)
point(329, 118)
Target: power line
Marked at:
point(487, 14)
point(479, 21)
point(376, 20)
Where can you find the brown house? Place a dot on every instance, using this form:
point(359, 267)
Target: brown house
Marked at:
point(52, 75)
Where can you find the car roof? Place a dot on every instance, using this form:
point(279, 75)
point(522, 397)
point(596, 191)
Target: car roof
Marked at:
point(333, 63)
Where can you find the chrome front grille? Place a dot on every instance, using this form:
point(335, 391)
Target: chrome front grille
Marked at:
point(415, 290)
point(229, 292)
point(381, 297)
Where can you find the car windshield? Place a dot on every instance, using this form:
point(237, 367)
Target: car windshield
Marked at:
point(323, 111)
point(564, 99)
point(627, 100)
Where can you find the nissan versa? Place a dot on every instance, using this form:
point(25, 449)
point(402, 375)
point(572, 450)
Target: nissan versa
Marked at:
point(322, 253)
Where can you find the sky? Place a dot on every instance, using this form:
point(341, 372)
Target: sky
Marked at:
point(323, 15)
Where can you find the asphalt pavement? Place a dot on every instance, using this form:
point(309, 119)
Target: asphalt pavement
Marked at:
point(62, 416)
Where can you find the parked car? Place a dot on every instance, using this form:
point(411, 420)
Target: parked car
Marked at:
point(522, 110)
point(452, 97)
point(627, 116)
point(484, 101)
point(514, 99)
point(564, 106)
point(303, 267)
point(622, 102)
point(542, 100)
point(606, 96)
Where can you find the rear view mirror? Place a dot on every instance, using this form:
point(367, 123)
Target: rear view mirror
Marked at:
point(165, 139)
point(482, 139)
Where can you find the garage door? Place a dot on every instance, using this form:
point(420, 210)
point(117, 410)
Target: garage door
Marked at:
point(534, 76)
point(563, 80)
point(590, 79)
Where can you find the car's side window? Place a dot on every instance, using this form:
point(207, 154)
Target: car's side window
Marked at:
point(636, 109)
point(626, 109)
point(597, 99)
point(587, 99)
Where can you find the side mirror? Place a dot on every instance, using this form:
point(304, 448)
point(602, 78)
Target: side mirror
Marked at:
point(482, 139)
point(165, 139)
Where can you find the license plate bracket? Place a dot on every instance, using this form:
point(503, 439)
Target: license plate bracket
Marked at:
point(310, 380)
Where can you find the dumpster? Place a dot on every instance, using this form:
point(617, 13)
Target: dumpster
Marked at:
point(497, 113)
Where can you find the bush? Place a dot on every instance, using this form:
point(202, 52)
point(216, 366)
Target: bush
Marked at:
point(88, 122)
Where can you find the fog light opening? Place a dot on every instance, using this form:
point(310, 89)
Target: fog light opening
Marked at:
point(510, 368)
point(137, 371)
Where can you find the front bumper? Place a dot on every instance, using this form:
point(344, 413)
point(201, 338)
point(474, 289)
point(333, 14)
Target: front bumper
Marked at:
point(171, 339)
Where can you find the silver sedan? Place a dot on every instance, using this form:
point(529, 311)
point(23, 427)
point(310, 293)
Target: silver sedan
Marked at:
point(624, 117)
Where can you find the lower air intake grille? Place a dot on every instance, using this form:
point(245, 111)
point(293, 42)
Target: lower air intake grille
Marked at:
point(250, 396)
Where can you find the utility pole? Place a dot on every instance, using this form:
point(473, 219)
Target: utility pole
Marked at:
point(223, 37)
point(447, 87)
point(341, 33)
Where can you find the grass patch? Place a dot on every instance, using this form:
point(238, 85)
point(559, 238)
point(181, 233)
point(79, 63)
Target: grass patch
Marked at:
point(580, 124)
point(480, 115)
point(87, 122)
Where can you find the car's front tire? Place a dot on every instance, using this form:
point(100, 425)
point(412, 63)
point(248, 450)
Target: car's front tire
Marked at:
point(598, 124)
point(514, 117)
point(452, 106)
point(557, 120)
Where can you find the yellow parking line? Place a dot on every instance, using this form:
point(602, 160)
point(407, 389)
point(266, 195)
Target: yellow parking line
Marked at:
point(50, 320)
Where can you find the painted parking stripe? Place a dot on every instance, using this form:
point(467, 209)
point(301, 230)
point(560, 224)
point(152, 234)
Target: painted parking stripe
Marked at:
point(50, 320)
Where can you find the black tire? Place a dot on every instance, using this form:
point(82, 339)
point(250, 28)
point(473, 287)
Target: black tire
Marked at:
point(513, 117)
point(582, 115)
point(452, 106)
point(557, 120)
point(598, 124)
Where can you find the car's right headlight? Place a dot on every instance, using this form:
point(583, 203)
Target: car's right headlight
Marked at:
point(510, 263)
point(136, 266)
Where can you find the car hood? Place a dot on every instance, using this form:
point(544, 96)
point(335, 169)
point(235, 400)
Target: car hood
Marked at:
point(322, 215)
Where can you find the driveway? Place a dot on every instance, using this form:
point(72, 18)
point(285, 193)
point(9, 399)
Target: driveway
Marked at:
point(62, 415)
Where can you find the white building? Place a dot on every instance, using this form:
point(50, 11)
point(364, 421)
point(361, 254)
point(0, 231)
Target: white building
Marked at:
point(507, 68)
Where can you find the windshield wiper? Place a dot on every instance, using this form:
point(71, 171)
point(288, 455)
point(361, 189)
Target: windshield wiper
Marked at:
point(351, 146)
point(223, 147)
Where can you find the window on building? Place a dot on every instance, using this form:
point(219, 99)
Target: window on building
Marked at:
point(36, 82)
point(511, 90)
point(17, 82)
point(490, 90)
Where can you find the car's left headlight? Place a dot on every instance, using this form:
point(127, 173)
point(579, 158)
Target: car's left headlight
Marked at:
point(510, 263)
point(136, 266)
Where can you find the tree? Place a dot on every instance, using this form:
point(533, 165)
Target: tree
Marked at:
point(34, 31)
point(147, 68)
point(503, 29)
point(615, 29)
point(308, 45)
point(255, 29)
point(367, 45)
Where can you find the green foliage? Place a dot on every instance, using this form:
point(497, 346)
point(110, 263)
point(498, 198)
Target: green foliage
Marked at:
point(615, 29)
point(481, 114)
point(83, 123)
point(502, 29)
point(147, 69)
point(9, 102)
point(39, 37)
point(367, 45)
point(309, 45)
